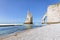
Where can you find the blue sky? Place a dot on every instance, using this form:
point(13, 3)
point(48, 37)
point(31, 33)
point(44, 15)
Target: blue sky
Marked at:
point(15, 11)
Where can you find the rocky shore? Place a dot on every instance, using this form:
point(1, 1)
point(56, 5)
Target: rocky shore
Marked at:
point(49, 32)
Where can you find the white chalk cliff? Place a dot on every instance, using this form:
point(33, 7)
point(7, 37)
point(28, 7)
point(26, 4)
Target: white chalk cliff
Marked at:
point(53, 14)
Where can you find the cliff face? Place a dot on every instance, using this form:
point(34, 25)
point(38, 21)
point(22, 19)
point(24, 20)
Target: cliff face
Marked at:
point(53, 13)
point(28, 18)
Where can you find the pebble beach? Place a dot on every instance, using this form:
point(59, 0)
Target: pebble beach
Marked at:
point(48, 32)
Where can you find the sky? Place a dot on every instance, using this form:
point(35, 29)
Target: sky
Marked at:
point(15, 11)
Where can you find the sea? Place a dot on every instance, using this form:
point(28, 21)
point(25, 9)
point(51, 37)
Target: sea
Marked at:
point(6, 30)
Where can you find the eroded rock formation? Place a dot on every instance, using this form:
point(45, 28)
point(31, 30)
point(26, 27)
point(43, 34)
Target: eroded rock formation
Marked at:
point(53, 14)
point(28, 19)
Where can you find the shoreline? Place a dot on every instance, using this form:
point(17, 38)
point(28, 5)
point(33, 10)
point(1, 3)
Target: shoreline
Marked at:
point(48, 32)
point(14, 34)
point(4, 25)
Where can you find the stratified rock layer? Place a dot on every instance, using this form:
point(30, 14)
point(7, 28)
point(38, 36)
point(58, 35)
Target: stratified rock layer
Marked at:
point(28, 19)
point(53, 14)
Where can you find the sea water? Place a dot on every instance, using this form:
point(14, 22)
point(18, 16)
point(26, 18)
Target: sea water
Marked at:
point(11, 29)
